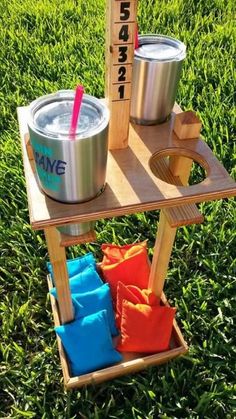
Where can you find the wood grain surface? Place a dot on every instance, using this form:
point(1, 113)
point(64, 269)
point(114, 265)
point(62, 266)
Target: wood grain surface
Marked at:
point(131, 185)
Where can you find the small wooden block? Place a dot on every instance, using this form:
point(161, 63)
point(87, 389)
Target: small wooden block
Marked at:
point(123, 89)
point(122, 54)
point(124, 11)
point(187, 125)
point(29, 149)
point(129, 29)
point(121, 73)
point(183, 215)
point(67, 240)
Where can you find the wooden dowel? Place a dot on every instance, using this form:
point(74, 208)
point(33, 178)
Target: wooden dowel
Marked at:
point(161, 257)
point(180, 166)
point(57, 256)
point(63, 359)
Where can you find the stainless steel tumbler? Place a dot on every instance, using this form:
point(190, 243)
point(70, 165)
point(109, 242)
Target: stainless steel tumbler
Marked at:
point(156, 73)
point(69, 170)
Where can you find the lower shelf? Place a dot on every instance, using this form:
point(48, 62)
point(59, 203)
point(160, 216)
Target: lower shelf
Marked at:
point(132, 362)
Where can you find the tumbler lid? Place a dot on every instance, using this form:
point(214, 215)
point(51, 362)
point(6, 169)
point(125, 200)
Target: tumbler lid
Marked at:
point(160, 48)
point(51, 115)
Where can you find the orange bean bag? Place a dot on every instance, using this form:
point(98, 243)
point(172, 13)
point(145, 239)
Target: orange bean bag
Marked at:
point(134, 295)
point(145, 328)
point(128, 264)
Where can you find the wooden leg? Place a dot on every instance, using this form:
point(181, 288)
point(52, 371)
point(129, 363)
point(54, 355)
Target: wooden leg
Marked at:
point(180, 166)
point(57, 256)
point(161, 257)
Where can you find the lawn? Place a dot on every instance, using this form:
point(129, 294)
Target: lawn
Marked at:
point(48, 45)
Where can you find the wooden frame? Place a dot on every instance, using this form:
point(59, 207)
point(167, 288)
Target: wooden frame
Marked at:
point(148, 169)
point(139, 178)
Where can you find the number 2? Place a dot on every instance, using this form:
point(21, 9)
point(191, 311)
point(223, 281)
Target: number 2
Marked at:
point(122, 73)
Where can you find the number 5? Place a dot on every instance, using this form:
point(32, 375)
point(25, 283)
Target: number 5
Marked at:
point(124, 10)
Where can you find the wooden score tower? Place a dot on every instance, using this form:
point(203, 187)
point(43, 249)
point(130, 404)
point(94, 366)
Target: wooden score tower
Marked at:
point(120, 37)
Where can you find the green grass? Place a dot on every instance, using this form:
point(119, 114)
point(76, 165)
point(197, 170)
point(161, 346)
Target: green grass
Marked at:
point(48, 45)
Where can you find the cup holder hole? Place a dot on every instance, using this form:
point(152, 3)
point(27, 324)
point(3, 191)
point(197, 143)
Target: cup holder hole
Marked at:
point(160, 164)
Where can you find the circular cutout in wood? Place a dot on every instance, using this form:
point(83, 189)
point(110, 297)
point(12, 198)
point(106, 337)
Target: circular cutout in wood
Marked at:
point(176, 165)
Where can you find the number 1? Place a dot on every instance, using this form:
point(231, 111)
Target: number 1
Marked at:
point(121, 90)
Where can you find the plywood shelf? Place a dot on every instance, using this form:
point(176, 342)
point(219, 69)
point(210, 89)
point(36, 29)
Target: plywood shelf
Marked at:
point(132, 362)
point(131, 184)
point(177, 216)
point(68, 240)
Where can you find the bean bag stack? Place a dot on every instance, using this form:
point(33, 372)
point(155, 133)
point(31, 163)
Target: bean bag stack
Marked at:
point(145, 325)
point(87, 340)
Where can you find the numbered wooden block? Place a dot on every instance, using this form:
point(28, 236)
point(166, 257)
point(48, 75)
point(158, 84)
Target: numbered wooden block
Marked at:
point(123, 33)
point(121, 73)
point(121, 91)
point(124, 11)
point(122, 54)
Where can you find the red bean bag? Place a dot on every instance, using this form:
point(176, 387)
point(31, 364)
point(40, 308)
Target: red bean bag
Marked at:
point(145, 328)
point(134, 295)
point(128, 264)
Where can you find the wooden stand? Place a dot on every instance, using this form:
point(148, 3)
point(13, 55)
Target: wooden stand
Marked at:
point(148, 169)
point(139, 178)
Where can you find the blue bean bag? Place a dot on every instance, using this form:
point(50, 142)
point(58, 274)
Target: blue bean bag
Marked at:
point(93, 301)
point(77, 265)
point(87, 280)
point(88, 343)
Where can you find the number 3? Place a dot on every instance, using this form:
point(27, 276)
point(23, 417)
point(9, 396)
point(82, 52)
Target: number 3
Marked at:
point(122, 54)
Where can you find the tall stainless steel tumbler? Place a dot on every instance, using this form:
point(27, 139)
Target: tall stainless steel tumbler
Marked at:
point(69, 170)
point(156, 73)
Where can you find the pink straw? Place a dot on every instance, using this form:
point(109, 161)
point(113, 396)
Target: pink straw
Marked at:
point(76, 111)
point(136, 43)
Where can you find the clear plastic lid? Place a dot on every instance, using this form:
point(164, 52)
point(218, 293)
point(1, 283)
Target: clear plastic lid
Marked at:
point(160, 48)
point(51, 115)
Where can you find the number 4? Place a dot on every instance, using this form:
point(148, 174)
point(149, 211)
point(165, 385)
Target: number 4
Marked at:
point(124, 33)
